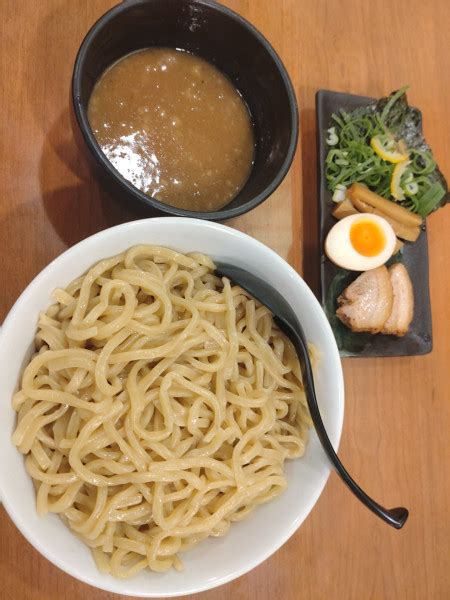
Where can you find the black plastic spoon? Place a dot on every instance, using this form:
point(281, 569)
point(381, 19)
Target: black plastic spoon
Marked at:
point(287, 321)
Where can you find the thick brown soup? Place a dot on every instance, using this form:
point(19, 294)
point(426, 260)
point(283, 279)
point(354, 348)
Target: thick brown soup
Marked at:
point(175, 127)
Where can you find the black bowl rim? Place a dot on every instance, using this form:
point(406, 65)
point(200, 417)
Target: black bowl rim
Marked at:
point(149, 201)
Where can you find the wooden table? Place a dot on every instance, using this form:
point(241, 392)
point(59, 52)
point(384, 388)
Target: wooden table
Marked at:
point(396, 433)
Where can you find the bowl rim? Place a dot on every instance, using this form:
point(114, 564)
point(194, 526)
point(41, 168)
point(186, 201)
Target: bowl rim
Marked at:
point(125, 185)
point(248, 565)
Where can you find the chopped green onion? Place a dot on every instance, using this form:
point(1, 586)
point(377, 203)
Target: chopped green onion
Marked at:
point(392, 100)
point(332, 138)
point(350, 157)
point(411, 188)
point(431, 199)
point(422, 162)
point(408, 177)
point(339, 193)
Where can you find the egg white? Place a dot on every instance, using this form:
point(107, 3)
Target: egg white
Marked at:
point(339, 249)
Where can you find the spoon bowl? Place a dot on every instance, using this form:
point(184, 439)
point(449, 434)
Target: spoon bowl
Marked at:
point(288, 322)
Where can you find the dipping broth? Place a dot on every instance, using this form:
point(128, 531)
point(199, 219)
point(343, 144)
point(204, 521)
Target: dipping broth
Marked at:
point(175, 127)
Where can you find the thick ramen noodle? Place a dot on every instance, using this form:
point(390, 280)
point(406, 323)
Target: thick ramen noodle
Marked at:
point(160, 406)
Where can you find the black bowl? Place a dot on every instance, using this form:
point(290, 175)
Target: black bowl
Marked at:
point(226, 40)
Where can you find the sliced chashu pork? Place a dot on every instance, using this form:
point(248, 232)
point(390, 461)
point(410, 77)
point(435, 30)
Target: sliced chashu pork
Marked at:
point(402, 311)
point(367, 302)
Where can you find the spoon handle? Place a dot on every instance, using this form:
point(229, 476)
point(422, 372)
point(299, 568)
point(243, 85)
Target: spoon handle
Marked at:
point(396, 517)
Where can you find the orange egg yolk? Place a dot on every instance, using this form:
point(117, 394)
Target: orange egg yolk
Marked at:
point(367, 237)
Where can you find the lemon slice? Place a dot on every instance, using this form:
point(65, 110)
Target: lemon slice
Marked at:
point(396, 189)
point(387, 149)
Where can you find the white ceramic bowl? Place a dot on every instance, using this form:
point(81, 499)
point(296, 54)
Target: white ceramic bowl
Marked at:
point(214, 561)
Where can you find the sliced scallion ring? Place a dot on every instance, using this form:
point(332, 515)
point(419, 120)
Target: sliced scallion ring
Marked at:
point(332, 138)
point(411, 188)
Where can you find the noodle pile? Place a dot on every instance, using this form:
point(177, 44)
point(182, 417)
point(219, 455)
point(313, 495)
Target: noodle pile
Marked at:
point(159, 408)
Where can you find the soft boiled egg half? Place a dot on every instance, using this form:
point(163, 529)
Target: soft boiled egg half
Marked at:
point(360, 242)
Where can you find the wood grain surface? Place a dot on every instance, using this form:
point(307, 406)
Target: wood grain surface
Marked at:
point(397, 422)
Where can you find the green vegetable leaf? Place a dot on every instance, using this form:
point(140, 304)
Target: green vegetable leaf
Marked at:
point(431, 199)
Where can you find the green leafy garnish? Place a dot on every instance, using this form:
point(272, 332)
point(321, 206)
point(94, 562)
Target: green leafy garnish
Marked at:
point(351, 158)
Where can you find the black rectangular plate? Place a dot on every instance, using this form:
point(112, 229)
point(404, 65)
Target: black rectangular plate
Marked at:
point(414, 256)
